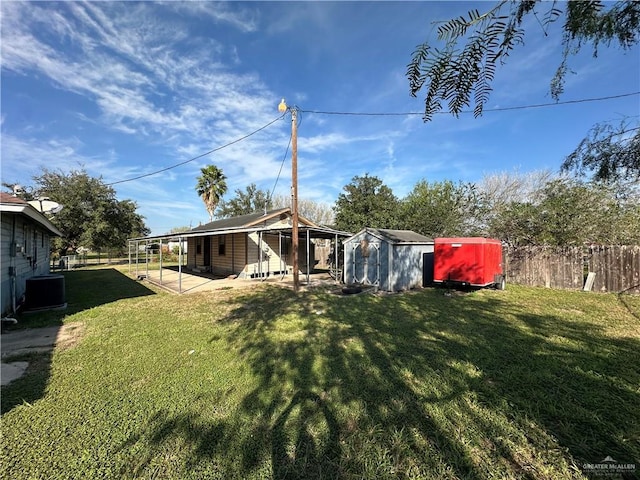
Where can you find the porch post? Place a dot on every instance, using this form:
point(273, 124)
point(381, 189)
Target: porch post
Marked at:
point(308, 255)
point(160, 261)
point(280, 255)
point(146, 258)
point(137, 256)
point(336, 259)
point(233, 253)
point(129, 254)
point(180, 265)
point(259, 254)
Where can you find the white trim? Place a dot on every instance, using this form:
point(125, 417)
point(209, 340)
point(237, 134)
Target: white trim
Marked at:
point(29, 211)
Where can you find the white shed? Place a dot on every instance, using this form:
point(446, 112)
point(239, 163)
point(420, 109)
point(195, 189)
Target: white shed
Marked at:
point(392, 260)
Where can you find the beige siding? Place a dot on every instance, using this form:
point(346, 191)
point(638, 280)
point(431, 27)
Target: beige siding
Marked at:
point(271, 260)
point(191, 252)
point(242, 255)
point(234, 258)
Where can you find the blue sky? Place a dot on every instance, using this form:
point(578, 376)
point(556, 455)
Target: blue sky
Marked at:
point(123, 89)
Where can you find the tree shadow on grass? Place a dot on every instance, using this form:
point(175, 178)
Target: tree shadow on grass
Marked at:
point(185, 435)
point(419, 386)
point(305, 454)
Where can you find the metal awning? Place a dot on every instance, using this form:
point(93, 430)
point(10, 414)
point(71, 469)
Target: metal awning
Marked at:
point(308, 231)
point(316, 232)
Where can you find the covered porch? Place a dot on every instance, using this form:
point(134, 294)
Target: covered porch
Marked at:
point(151, 259)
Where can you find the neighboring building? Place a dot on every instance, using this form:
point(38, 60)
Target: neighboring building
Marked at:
point(392, 260)
point(25, 247)
point(249, 246)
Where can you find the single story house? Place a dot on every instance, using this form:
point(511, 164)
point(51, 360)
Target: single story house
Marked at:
point(25, 247)
point(256, 245)
point(391, 260)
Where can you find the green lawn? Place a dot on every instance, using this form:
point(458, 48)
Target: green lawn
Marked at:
point(525, 383)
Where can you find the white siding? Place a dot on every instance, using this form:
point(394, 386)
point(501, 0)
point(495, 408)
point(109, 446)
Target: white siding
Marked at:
point(29, 257)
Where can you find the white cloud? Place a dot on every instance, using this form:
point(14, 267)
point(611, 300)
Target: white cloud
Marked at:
point(24, 158)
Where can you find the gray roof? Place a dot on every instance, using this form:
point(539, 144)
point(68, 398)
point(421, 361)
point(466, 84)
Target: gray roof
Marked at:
point(398, 236)
point(253, 221)
point(241, 221)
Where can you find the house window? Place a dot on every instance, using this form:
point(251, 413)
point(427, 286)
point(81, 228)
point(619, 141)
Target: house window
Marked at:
point(198, 246)
point(222, 244)
point(28, 240)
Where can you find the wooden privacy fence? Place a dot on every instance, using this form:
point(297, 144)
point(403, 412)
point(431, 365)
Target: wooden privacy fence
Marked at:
point(545, 266)
point(616, 268)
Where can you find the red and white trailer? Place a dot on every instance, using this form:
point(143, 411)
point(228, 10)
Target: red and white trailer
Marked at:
point(468, 261)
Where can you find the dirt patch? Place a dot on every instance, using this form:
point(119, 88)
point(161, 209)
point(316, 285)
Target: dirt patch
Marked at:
point(69, 335)
point(35, 345)
point(32, 340)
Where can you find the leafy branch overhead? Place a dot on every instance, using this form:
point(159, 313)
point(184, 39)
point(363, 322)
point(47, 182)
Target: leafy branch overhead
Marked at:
point(612, 152)
point(461, 71)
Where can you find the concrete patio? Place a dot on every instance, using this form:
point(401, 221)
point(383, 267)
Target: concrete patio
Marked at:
point(192, 282)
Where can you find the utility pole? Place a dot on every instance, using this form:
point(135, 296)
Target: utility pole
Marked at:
point(294, 191)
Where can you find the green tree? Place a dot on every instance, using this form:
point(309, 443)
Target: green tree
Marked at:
point(576, 213)
point(92, 216)
point(517, 224)
point(453, 72)
point(571, 212)
point(366, 202)
point(608, 151)
point(211, 186)
point(461, 68)
point(441, 209)
point(251, 200)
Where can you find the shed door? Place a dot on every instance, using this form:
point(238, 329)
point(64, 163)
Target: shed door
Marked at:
point(427, 269)
point(366, 263)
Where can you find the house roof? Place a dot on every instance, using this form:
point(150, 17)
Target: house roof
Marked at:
point(252, 222)
point(7, 198)
point(395, 236)
point(11, 204)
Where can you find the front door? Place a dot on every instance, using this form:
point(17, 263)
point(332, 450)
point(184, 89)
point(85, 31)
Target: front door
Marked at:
point(207, 251)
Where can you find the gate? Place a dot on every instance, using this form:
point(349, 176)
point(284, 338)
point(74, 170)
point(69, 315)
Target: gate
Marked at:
point(365, 263)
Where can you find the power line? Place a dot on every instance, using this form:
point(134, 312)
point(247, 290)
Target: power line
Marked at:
point(280, 171)
point(372, 114)
point(499, 109)
point(197, 157)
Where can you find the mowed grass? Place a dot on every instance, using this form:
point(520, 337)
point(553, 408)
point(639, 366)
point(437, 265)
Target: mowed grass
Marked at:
point(525, 383)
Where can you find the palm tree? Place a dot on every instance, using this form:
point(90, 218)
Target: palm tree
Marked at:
point(211, 187)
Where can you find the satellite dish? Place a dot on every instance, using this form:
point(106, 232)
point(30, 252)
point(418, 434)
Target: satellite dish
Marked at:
point(44, 205)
